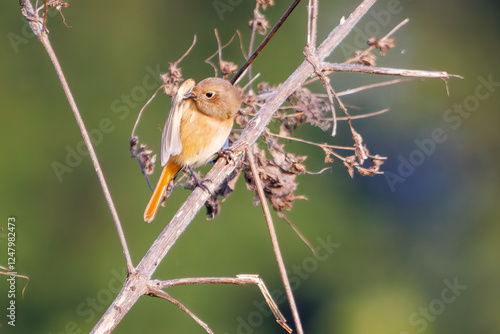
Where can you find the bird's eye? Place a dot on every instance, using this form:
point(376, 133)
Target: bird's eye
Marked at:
point(209, 94)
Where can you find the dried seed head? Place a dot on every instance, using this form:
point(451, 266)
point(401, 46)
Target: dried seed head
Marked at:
point(265, 3)
point(260, 22)
point(382, 44)
point(172, 79)
point(227, 67)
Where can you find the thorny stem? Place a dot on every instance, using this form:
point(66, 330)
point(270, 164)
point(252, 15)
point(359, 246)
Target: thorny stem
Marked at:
point(37, 28)
point(274, 241)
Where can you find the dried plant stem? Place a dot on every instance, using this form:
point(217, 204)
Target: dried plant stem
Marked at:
point(338, 156)
point(142, 110)
point(238, 280)
point(252, 38)
point(166, 296)
point(370, 86)
point(334, 67)
point(37, 28)
point(274, 242)
point(7, 272)
point(371, 114)
point(312, 19)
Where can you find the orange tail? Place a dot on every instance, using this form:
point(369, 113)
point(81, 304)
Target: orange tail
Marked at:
point(169, 171)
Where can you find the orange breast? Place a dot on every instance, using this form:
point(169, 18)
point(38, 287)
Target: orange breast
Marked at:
point(201, 137)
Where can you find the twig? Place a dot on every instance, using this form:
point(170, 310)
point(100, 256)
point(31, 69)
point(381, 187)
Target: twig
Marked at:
point(299, 114)
point(220, 47)
point(142, 110)
point(361, 116)
point(375, 85)
point(316, 144)
point(252, 39)
point(162, 294)
point(5, 271)
point(334, 67)
point(37, 28)
point(274, 241)
point(312, 18)
point(238, 280)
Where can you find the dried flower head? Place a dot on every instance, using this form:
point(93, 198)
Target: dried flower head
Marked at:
point(172, 79)
point(259, 23)
point(227, 67)
point(142, 154)
point(265, 3)
point(383, 44)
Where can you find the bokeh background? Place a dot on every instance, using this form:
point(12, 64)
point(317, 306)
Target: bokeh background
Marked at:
point(414, 251)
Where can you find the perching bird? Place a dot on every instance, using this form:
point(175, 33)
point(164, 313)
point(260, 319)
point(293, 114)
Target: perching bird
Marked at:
point(200, 120)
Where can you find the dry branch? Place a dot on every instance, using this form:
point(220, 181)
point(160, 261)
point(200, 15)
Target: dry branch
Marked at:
point(333, 67)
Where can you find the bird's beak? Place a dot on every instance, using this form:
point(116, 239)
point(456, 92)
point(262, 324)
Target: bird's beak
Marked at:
point(189, 95)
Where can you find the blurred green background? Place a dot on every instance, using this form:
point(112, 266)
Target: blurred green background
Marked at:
point(414, 251)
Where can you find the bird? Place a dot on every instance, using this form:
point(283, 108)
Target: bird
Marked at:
point(199, 122)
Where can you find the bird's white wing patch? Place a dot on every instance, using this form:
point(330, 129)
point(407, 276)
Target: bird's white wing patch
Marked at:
point(171, 139)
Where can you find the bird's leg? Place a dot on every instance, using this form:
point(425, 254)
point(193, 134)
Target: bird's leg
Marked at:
point(197, 182)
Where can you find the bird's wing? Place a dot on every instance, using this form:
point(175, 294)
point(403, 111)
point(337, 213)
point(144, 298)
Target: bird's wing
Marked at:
point(171, 139)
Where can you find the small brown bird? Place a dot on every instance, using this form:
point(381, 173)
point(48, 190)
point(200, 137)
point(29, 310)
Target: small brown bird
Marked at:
point(200, 120)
